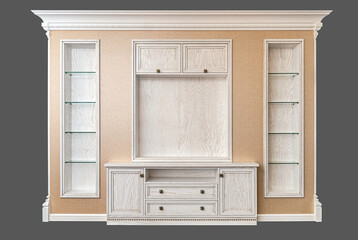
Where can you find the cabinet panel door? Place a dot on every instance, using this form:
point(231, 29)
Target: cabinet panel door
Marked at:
point(210, 57)
point(165, 57)
point(238, 192)
point(125, 192)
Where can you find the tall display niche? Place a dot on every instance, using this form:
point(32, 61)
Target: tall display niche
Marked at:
point(80, 119)
point(284, 126)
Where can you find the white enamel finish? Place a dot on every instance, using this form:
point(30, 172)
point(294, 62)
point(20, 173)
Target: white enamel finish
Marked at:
point(182, 117)
point(238, 192)
point(182, 20)
point(284, 118)
point(181, 208)
point(153, 57)
point(179, 191)
point(125, 192)
point(211, 57)
point(79, 118)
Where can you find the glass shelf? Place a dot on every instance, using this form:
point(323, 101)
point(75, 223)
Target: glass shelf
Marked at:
point(293, 74)
point(284, 133)
point(79, 102)
point(283, 102)
point(284, 163)
point(80, 161)
point(78, 72)
point(80, 132)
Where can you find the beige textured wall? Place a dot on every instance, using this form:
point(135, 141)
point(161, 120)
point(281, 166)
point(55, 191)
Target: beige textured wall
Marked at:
point(116, 114)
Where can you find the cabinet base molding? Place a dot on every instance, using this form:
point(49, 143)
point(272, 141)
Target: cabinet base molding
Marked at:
point(182, 221)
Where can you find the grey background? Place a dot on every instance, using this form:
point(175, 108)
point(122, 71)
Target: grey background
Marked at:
point(23, 116)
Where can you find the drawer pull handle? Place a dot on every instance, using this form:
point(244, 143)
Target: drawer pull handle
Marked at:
point(161, 208)
point(141, 175)
point(221, 175)
point(205, 70)
point(158, 70)
point(202, 191)
point(161, 191)
point(202, 208)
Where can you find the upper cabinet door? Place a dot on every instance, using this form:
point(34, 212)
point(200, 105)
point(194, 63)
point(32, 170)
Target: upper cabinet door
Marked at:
point(238, 192)
point(163, 58)
point(205, 58)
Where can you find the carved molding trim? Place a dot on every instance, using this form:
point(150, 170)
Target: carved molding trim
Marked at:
point(182, 20)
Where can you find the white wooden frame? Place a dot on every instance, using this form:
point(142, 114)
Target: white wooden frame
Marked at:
point(62, 128)
point(228, 76)
point(301, 104)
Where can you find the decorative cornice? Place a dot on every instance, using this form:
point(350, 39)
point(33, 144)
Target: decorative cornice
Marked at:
point(182, 20)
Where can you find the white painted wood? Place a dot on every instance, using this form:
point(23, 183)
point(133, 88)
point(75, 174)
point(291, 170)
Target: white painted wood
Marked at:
point(284, 118)
point(283, 148)
point(125, 194)
point(182, 20)
point(285, 217)
point(181, 173)
point(182, 221)
point(165, 129)
point(61, 217)
point(284, 179)
point(238, 192)
point(317, 209)
point(153, 57)
point(175, 192)
point(284, 114)
point(79, 113)
point(200, 57)
point(162, 191)
point(181, 208)
point(46, 210)
point(175, 165)
point(166, 133)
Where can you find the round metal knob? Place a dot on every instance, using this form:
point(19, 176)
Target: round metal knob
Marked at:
point(161, 208)
point(161, 191)
point(202, 191)
point(202, 208)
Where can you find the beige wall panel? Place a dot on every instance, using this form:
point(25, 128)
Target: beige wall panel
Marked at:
point(116, 107)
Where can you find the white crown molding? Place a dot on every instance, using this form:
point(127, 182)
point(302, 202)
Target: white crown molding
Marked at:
point(181, 20)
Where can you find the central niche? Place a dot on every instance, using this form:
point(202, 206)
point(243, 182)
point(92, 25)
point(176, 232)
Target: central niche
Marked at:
point(182, 116)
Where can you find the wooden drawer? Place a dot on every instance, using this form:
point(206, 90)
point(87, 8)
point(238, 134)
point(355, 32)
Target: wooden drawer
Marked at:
point(181, 192)
point(210, 57)
point(163, 57)
point(171, 208)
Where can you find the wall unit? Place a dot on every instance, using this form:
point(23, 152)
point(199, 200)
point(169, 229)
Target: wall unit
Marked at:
point(80, 119)
point(173, 193)
point(284, 125)
point(179, 107)
point(182, 100)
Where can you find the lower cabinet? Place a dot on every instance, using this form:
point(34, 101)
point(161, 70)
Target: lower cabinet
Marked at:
point(125, 188)
point(205, 194)
point(238, 192)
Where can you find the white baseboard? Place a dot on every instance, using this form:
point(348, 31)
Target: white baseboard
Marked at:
point(78, 217)
point(261, 217)
point(286, 218)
